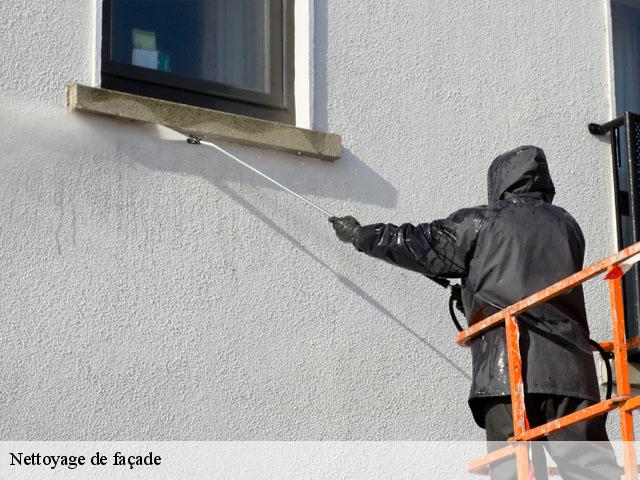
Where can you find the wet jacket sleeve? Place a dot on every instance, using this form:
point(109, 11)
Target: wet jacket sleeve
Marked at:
point(441, 248)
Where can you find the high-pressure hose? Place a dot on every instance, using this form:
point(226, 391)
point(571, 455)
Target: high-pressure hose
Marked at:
point(455, 301)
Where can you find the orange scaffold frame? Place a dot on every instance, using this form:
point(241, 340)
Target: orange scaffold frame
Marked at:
point(623, 401)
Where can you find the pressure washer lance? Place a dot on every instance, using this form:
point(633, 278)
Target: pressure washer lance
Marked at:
point(193, 140)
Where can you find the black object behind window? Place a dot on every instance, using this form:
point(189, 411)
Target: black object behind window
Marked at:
point(625, 15)
point(230, 55)
point(624, 134)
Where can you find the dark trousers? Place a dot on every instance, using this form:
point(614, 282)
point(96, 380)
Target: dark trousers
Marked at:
point(581, 451)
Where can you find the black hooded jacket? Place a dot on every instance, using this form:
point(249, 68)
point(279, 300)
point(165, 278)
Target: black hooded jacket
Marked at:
point(515, 246)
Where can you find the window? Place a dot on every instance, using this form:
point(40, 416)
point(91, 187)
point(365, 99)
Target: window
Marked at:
point(229, 55)
point(625, 16)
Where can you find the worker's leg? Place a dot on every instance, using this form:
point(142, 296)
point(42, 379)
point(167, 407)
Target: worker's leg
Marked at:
point(499, 427)
point(581, 451)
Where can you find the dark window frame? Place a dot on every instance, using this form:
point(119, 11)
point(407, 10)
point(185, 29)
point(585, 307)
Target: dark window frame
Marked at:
point(277, 106)
point(625, 135)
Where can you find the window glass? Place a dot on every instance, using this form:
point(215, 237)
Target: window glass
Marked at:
point(626, 50)
point(223, 41)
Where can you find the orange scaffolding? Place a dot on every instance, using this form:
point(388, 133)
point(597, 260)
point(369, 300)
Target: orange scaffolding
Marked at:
point(622, 401)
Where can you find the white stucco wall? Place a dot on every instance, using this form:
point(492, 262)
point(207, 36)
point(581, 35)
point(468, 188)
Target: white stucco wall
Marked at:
point(153, 291)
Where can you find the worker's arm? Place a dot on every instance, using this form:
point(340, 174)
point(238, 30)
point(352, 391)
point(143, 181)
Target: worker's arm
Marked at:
point(441, 248)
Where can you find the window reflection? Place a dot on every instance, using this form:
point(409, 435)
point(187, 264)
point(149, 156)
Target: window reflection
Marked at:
point(224, 41)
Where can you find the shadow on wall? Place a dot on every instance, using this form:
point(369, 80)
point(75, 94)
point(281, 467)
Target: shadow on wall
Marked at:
point(344, 280)
point(208, 166)
point(74, 134)
point(345, 179)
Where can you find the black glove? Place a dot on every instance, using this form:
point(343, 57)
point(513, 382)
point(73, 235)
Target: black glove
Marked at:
point(346, 228)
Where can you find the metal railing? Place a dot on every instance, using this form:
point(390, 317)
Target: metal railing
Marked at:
point(619, 345)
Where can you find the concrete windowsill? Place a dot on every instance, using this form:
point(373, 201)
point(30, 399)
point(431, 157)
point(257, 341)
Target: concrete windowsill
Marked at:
point(207, 124)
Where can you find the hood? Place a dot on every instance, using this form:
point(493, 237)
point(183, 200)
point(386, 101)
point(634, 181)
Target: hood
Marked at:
point(523, 170)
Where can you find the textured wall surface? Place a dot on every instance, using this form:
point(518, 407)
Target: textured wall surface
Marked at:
point(155, 291)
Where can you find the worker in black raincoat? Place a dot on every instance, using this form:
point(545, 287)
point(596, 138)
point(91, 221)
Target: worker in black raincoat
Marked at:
point(515, 246)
